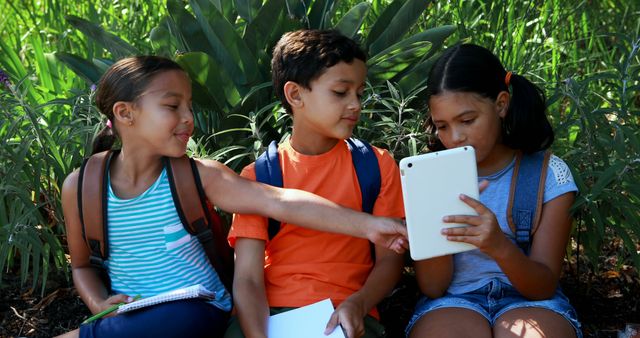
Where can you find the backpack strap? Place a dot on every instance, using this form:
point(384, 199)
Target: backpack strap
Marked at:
point(367, 169)
point(92, 205)
point(365, 162)
point(526, 196)
point(92, 209)
point(268, 171)
point(198, 216)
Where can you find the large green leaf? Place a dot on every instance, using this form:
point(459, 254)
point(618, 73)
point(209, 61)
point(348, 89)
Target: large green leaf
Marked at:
point(11, 61)
point(226, 46)
point(350, 23)
point(82, 67)
point(206, 72)
point(164, 43)
point(248, 9)
point(259, 32)
point(417, 76)
point(45, 73)
point(227, 9)
point(382, 21)
point(115, 45)
point(384, 66)
point(321, 10)
point(397, 27)
point(297, 8)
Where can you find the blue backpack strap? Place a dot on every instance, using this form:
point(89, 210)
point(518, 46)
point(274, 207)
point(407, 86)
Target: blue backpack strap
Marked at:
point(526, 196)
point(367, 169)
point(268, 171)
point(365, 162)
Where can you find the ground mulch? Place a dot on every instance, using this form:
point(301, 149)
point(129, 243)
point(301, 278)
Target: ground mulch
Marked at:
point(605, 300)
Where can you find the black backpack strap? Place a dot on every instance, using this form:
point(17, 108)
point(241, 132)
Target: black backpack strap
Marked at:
point(196, 215)
point(526, 196)
point(92, 206)
point(268, 171)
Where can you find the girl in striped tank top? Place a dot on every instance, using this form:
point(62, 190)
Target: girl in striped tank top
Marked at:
point(147, 103)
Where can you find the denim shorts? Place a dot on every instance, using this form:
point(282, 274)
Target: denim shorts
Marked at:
point(493, 300)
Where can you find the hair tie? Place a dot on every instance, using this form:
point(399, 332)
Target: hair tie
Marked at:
point(507, 78)
point(109, 125)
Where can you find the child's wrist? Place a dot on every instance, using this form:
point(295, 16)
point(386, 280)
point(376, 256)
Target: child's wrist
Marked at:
point(369, 227)
point(503, 250)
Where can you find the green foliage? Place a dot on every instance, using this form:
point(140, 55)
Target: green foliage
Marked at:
point(39, 150)
point(584, 53)
point(394, 120)
point(599, 137)
point(227, 52)
point(47, 119)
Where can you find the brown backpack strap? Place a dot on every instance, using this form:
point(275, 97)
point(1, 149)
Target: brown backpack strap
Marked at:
point(92, 205)
point(185, 194)
point(197, 216)
point(512, 189)
point(541, 185)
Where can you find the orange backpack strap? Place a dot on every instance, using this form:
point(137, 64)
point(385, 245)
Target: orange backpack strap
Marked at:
point(92, 205)
point(198, 216)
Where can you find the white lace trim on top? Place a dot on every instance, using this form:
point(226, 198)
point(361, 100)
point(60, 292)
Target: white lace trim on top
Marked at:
point(560, 170)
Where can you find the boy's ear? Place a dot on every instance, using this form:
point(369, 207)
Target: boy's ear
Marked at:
point(122, 112)
point(292, 94)
point(502, 103)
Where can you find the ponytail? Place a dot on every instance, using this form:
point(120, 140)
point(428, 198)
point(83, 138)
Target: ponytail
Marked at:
point(470, 68)
point(526, 126)
point(104, 140)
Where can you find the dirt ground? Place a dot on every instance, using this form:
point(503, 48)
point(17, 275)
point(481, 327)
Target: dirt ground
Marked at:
point(605, 302)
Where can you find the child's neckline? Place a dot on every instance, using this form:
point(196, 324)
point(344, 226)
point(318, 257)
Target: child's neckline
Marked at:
point(146, 192)
point(313, 159)
point(494, 176)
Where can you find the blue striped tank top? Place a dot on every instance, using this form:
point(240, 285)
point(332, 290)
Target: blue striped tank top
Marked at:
point(150, 251)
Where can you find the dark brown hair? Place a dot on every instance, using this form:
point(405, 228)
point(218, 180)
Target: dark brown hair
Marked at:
point(303, 55)
point(471, 68)
point(125, 80)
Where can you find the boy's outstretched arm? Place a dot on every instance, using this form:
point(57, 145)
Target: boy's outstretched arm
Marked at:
point(248, 287)
point(235, 194)
point(384, 276)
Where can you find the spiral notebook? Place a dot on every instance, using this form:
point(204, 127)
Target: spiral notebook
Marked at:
point(191, 292)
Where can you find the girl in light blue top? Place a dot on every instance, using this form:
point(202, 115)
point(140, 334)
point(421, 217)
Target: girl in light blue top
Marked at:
point(496, 290)
point(147, 102)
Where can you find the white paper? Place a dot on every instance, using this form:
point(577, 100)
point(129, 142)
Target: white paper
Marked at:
point(308, 321)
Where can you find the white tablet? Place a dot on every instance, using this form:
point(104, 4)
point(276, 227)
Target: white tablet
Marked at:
point(431, 185)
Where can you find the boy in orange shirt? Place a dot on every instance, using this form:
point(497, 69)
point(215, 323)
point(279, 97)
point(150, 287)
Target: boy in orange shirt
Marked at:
point(319, 76)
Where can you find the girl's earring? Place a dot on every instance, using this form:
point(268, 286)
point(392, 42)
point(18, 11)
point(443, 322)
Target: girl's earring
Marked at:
point(130, 123)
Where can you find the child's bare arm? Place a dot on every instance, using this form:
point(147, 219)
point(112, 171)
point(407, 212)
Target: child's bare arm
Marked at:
point(534, 276)
point(384, 276)
point(248, 287)
point(434, 275)
point(86, 280)
point(235, 194)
